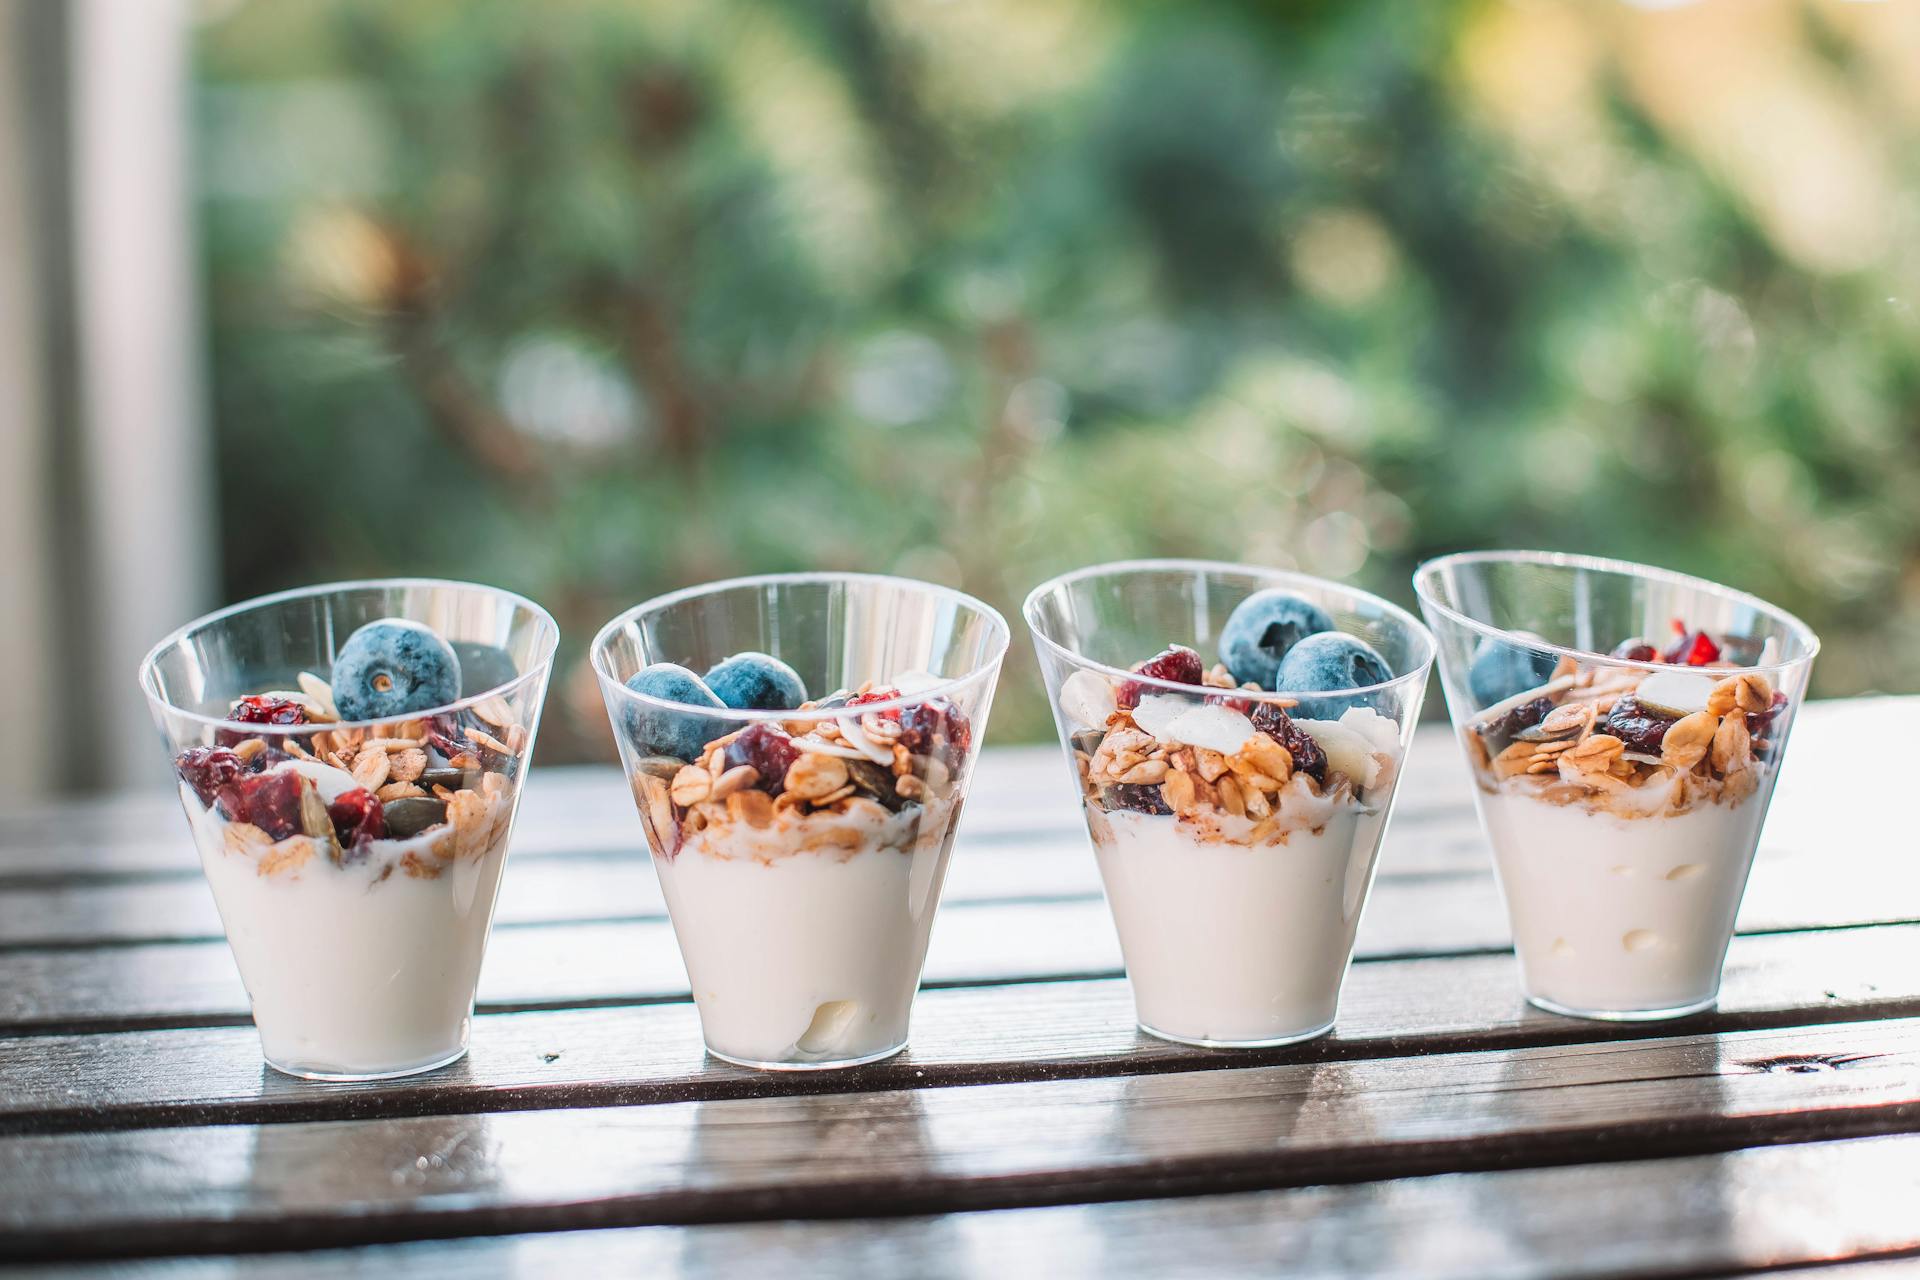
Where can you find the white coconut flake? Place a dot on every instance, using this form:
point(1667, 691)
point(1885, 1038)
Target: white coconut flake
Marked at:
point(1348, 751)
point(857, 737)
point(1216, 728)
point(1680, 692)
point(1087, 699)
point(1156, 712)
point(820, 746)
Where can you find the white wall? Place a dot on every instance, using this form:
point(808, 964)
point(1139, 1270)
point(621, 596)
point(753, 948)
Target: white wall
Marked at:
point(26, 603)
point(144, 460)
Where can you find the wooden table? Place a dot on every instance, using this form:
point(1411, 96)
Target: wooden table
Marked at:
point(1447, 1129)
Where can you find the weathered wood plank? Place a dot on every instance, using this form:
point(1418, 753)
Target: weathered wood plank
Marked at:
point(647, 1054)
point(557, 966)
point(1735, 1213)
point(932, 1150)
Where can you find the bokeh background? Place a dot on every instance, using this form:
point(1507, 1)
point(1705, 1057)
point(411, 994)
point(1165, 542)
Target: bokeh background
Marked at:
point(597, 298)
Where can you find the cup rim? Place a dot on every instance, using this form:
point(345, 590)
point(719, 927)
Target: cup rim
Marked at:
point(1279, 577)
point(597, 649)
point(1428, 571)
point(538, 670)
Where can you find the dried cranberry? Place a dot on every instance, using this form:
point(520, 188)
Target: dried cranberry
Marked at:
point(357, 818)
point(1524, 716)
point(207, 769)
point(1176, 663)
point(445, 735)
point(1638, 649)
point(1694, 648)
point(1640, 727)
point(270, 801)
point(876, 695)
point(1138, 796)
point(1308, 756)
point(1759, 723)
point(768, 749)
point(260, 709)
point(936, 727)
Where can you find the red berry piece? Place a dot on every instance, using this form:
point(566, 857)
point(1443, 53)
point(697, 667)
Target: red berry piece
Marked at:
point(1139, 797)
point(1759, 723)
point(1693, 648)
point(357, 818)
point(270, 801)
point(1641, 728)
point(876, 695)
point(1524, 716)
point(207, 769)
point(1308, 757)
point(768, 749)
point(261, 709)
point(1176, 663)
point(936, 727)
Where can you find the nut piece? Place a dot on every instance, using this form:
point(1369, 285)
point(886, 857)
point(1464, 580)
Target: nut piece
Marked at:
point(755, 808)
point(816, 774)
point(1732, 746)
point(1748, 692)
point(1568, 718)
point(370, 769)
point(1688, 740)
point(1232, 799)
point(691, 785)
point(1513, 760)
point(406, 765)
point(1178, 791)
point(734, 780)
point(1146, 772)
point(1266, 756)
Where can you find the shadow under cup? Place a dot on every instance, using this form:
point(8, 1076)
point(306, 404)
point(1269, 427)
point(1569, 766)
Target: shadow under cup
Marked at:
point(360, 953)
point(802, 852)
point(1236, 832)
point(1623, 795)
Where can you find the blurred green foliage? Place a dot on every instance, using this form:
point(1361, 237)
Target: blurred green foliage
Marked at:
point(593, 299)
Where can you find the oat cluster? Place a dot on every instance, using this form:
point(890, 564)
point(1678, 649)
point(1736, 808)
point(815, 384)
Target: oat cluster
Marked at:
point(1585, 738)
point(832, 783)
point(1277, 780)
point(445, 785)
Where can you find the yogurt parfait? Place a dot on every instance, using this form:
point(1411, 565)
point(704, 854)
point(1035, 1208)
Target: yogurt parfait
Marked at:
point(1625, 727)
point(1236, 807)
point(351, 805)
point(799, 748)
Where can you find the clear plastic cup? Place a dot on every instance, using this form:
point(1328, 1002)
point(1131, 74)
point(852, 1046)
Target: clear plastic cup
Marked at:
point(801, 852)
point(1236, 831)
point(1623, 795)
point(354, 865)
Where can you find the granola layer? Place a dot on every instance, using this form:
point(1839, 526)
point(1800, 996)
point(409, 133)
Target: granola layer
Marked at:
point(1583, 739)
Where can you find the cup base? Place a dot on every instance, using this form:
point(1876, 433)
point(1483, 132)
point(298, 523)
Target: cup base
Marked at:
point(830, 1064)
point(1623, 1015)
point(325, 1076)
point(1274, 1042)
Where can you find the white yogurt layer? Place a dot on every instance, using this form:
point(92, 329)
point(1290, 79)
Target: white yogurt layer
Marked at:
point(1621, 915)
point(355, 970)
point(804, 940)
point(1233, 944)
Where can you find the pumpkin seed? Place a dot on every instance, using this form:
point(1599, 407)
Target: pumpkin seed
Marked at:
point(408, 817)
point(660, 766)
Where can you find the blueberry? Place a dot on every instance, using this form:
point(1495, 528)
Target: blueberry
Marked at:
point(394, 667)
point(1326, 662)
point(1501, 669)
point(484, 666)
point(655, 731)
point(757, 682)
point(1261, 630)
